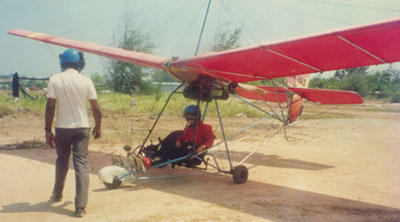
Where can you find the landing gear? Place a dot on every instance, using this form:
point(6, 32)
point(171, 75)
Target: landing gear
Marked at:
point(240, 174)
point(115, 184)
point(110, 176)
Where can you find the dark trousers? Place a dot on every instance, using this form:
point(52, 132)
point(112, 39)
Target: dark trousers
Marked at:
point(77, 140)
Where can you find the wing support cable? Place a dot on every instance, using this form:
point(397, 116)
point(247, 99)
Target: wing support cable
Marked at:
point(161, 112)
point(225, 139)
point(279, 103)
point(259, 146)
point(273, 115)
point(272, 110)
point(294, 60)
point(202, 27)
point(243, 130)
point(362, 49)
point(276, 116)
point(283, 115)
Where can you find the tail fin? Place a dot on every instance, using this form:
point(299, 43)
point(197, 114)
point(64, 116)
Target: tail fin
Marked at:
point(295, 101)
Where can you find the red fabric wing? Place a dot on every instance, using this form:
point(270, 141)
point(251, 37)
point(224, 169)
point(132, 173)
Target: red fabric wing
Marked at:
point(362, 46)
point(139, 58)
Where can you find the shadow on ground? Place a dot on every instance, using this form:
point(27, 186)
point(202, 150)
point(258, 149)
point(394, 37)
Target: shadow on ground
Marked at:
point(259, 199)
point(48, 206)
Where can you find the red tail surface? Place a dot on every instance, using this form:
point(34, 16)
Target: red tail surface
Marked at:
point(295, 95)
point(295, 101)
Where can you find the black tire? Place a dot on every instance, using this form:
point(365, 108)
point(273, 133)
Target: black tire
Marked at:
point(115, 184)
point(240, 174)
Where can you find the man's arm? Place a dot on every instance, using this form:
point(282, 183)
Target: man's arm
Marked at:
point(49, 116)
point(97, 118)
point(208, 139)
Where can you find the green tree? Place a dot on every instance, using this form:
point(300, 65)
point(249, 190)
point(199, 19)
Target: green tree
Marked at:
point(98, 81)
point(355, 82)
point(382, 84)
point(127, 77)
point(325, 83)
point(353, 79)
point(225, 37)
point(379, 84)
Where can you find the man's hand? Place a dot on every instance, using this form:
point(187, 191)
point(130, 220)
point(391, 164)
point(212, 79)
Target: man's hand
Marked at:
point(50, 139)
point(96, 132)
point(200, 148)
point(178, 144)
point(97, 118)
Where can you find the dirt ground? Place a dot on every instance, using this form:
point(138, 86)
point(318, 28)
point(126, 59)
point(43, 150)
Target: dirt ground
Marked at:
point(343, 167)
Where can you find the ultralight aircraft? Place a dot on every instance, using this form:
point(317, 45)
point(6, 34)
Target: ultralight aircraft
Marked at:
point(217, 76)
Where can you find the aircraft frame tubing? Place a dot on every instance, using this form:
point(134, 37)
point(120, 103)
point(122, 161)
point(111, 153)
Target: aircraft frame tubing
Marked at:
point(269, 115)
point(224, 136)
point(124, 177)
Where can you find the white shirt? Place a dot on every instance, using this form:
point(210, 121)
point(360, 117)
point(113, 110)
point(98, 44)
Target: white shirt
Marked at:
point(71, 91)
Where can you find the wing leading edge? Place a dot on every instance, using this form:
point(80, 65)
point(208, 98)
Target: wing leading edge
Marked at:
point(139, 58)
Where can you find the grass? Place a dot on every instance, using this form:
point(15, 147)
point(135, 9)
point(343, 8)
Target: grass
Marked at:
point(9, 107)
point(386, 110)
point(147, 105)
point(123, 123)
point(308, 116)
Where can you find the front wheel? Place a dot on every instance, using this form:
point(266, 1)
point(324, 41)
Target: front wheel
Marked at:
point(115, 184)
point(240, 174)
point(109, 175)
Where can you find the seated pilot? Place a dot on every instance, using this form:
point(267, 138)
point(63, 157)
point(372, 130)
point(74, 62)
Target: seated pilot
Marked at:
point(180, 143)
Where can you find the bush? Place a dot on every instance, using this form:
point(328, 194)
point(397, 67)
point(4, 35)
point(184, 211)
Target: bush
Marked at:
point(395, 98)
point(5, 110)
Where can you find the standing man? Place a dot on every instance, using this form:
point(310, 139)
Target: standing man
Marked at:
point(70, 91)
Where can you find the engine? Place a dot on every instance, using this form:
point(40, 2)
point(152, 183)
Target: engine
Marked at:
point(206, 88)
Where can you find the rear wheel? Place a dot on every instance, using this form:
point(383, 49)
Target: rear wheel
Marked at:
point(240, 174)
point(115, 184)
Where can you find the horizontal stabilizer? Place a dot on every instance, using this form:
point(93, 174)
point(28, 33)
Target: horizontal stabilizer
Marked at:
point(322, 96)
point(258, 93)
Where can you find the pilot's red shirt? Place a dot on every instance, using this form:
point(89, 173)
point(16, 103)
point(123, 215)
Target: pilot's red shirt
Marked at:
point(205, 135)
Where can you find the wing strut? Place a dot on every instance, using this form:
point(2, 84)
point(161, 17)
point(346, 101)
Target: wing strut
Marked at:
point(223, 134)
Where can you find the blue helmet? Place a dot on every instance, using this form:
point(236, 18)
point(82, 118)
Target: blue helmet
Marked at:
point(72, 58)
point(192, 109)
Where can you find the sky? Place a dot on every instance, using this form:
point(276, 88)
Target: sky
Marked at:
point(172, 25)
